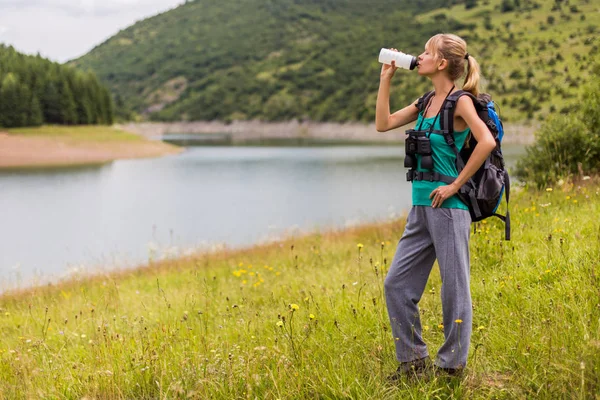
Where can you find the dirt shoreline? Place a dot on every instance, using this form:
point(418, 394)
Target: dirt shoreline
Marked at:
point(17, 151)
point(243, 132)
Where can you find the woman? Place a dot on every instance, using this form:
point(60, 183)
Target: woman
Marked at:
point(438, 224)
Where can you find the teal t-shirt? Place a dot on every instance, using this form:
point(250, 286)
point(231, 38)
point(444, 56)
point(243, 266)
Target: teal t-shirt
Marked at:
point(444, 162)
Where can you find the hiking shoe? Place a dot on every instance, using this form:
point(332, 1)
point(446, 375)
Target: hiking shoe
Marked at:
point(449, 372)
point(411, 369)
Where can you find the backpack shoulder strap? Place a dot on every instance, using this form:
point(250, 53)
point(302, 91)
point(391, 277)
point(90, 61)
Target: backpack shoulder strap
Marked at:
point(448, 109)
point(447, 122)
point(424, 100)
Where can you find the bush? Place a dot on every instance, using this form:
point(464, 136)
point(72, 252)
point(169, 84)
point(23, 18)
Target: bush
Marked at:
point(560, 145)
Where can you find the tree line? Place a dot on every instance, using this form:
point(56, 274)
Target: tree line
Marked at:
point(36, 91)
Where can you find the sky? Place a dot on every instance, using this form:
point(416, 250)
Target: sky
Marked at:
point(62, 30)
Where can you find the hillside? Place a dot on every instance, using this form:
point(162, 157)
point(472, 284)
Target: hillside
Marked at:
point(317, 60)
point(536, 55)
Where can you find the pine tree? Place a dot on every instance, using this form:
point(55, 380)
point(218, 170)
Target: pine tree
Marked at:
point(51, 104)
point(108, 106)
point(14, 98)
point(68, 108)
point(36, 116)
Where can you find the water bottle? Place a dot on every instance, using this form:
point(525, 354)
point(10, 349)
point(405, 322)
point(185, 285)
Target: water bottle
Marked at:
point(406, 61)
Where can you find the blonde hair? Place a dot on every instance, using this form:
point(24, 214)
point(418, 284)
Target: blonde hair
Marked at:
point(453, 49)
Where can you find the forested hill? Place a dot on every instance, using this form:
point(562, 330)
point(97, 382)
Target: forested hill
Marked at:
point(34, 91)
point(317, 59)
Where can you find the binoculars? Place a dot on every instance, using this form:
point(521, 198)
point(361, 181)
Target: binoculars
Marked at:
point(417, 143)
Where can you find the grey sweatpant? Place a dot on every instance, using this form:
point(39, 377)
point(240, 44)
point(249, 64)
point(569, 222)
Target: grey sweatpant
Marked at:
point(431, 233)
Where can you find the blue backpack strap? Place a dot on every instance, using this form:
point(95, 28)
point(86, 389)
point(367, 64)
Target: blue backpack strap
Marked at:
point(493, 116)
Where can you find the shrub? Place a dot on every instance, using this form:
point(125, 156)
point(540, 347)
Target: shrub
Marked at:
point(507, 6)
point(560, 145)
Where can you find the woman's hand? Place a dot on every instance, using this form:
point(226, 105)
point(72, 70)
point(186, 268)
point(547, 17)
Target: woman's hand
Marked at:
point(442, 193)
point(387, 71)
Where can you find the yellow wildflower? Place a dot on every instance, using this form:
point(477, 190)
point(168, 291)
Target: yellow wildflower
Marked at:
point(360, 246)
point(458, 321)
point(280, 323)
point(480, 328)
point(311, 316)
point(294, 307)
point(548, 189)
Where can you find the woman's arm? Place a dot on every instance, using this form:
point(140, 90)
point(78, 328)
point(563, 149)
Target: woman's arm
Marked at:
point(383, 120)
point(485, 144)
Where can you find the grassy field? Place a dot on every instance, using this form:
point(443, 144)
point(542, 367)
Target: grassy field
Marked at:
point(78, 134)
point(306, 318)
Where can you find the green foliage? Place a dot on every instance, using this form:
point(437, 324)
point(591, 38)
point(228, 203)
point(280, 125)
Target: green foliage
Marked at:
point(561, 144)
point(36, 116)
point(507, 6)
point(14, 102)
point(566, 145)
point(470, 4)
point(35, 91)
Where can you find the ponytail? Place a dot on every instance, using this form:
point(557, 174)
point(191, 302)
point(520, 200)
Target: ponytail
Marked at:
point(472, 79)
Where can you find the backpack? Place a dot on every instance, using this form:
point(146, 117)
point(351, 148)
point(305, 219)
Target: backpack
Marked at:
point(483, 192)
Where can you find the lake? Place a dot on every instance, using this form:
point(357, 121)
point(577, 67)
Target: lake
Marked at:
point(54, 223)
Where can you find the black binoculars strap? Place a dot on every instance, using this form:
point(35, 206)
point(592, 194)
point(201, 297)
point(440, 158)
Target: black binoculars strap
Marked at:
point(507, 195)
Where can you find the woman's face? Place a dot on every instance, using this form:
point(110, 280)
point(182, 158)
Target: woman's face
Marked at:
point(428, 65)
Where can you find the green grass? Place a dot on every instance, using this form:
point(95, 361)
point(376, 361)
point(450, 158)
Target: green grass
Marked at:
point(81, 133)
point(208, 326)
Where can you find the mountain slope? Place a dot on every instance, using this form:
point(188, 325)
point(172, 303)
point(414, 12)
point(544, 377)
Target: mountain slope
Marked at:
point(317, 59)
